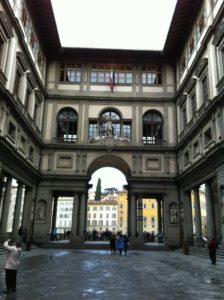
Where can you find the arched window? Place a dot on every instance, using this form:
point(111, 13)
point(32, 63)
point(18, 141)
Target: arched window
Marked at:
point(67, 125)
point(110, 123)
point(152, 127)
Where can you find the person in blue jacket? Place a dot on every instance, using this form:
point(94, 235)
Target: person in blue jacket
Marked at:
point(120, 244)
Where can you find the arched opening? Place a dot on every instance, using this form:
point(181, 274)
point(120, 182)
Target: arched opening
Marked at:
point(107, 209)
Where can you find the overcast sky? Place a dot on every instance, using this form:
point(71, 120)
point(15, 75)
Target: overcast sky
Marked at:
point(110, 177)
point(119, 24)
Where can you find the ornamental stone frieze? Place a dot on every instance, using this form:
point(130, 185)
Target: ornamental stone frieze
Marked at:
point(110, 140)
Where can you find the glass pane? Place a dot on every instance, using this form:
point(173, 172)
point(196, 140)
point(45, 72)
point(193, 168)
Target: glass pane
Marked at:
point(93, 77)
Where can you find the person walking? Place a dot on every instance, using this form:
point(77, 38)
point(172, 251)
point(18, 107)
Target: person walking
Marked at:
point(212, 247)
point(120, 244)
point(11, 265)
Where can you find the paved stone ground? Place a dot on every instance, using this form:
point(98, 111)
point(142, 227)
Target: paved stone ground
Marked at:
point(88, 274)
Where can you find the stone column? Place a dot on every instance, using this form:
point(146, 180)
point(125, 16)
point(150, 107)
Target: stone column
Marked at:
point(198, 228)
point(2, 183)
point(209, 210)
point(17, 211)
point(133, 215)
point(221, 192)
point(5, 207)
point(82, 215)
point(188, 224)
point(27, 213)
point(75, 216)
point(54, 216)
point(140, 217)
point(159, 215)
point(129, 215)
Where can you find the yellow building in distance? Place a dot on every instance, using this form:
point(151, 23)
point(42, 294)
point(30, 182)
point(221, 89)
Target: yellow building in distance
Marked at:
point(119, 207)
point(203, 212)
point(150, 216)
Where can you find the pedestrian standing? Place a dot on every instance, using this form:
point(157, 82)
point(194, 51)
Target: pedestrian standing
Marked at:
point(113, 244)
point(11, 265)
point(120, 244)
point(21, 234)
point(212, 247)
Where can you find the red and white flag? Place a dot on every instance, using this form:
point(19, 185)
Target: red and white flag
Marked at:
point(111, 80)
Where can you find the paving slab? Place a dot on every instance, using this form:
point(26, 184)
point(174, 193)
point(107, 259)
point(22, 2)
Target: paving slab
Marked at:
point(96, 274)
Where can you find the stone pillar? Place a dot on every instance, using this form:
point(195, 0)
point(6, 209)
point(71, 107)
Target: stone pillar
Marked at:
point(140, 217)
point(54, 216)
point(17, 211)
point(188, 224)
point(5, 207)
point(198, 228)
point(2, 184)
point(159, 216)
point(82, 215)
point(221, 192)
point(133, 216)
point(27, 213)
point(75, 216)
point(209, 210)
point(128, 215)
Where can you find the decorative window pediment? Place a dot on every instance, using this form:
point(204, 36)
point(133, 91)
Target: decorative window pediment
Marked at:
point(22, 60)
point(6, 25)
point(219, 34)
point(38, 95)
point(31, 80)
point(201, 66)
point(190, 85)
point(182, 99)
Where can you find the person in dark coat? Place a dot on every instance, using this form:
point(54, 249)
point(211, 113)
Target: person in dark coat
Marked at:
point(113, 244)
point(212, 247)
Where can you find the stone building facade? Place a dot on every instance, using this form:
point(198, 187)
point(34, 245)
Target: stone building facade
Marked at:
point(157, 116)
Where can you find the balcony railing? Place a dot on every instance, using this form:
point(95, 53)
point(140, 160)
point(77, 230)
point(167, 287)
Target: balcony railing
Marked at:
point(68, 138)
point(153, 141)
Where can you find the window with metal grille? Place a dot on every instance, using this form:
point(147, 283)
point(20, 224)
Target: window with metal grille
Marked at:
point(152, 127)
point(67, 124)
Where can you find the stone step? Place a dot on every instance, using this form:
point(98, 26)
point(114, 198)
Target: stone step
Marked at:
point(201, 252)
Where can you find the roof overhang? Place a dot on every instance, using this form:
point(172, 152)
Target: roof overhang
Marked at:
point(183, 19)
point(111, 55)
point(45, 25)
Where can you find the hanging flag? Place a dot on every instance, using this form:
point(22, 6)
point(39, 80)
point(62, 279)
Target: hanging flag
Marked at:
point(111, 80)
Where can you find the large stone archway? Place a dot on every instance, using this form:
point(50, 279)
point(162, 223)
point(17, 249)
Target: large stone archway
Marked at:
point(109, 161)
